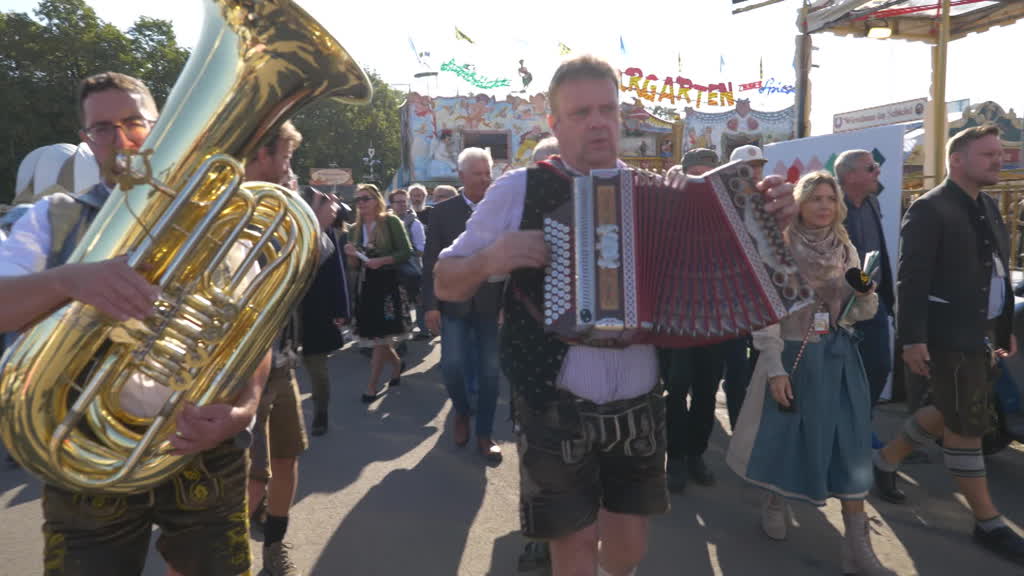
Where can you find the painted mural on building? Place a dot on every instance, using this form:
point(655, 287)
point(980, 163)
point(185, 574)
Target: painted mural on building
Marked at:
point(437, 129)
point(724, 132)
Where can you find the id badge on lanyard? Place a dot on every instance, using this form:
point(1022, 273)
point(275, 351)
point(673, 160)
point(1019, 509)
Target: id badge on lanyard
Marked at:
point(821, 325)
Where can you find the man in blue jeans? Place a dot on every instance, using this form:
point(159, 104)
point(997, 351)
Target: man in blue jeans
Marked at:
point(469, 330)
point(858, 174)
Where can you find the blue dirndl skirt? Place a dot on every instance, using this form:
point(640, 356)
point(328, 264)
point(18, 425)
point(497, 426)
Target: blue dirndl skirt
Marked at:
point(821, 450)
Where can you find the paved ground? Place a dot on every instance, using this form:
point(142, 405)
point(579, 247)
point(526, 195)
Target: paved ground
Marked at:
point(386, 493)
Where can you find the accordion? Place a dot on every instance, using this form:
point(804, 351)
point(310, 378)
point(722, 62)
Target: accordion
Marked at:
point(634, 259)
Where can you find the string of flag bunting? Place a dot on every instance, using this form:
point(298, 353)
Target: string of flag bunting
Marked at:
point(671, 90)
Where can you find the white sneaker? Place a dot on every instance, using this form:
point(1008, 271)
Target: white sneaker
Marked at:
point(773, 515)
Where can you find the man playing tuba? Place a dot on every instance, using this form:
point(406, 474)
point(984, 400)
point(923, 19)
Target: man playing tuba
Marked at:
point(201, 510)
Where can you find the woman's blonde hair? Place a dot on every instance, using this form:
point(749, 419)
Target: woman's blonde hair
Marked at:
point(382, 211)
point(804, 190)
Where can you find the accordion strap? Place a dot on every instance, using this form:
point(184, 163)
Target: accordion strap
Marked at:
point(807, 337)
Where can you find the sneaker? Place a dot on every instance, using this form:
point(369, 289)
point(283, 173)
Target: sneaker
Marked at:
point(1003, 541)
point(773, 515)
point(276, 561)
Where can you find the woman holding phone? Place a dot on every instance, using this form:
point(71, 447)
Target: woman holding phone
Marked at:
point(379, 244)
point(804, 431)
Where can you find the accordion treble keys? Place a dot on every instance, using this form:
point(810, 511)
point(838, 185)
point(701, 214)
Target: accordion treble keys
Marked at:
point(633, 260)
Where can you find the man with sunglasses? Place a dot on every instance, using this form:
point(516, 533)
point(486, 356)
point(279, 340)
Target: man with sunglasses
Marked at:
point(858, 174)
point(201, 511)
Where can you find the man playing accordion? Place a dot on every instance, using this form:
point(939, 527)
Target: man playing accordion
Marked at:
point(573, 480)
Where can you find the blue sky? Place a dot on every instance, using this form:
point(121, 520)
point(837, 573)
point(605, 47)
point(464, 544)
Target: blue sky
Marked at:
point(851, 74)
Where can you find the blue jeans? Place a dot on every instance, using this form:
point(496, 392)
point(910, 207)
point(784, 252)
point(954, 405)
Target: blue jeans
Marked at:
point(469, 360)
point(875, 351)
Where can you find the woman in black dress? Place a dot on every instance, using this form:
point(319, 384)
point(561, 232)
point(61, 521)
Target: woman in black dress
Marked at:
point(379, 244)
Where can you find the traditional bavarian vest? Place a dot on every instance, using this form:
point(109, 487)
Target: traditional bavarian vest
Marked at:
point(70, 217)
point(530, 358)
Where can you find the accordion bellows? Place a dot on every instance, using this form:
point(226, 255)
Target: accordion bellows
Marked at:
point(635, 260)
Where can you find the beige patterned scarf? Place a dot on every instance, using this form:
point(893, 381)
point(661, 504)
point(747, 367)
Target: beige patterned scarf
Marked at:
point(823, 258)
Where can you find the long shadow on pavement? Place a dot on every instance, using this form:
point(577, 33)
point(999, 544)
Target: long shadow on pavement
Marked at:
point(361, 434)
point(936, 518)
point(413, 522)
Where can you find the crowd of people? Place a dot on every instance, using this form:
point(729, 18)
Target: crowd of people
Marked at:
point(604, 433)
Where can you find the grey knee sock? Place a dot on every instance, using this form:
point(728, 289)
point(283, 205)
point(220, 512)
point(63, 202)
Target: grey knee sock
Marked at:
point(965, 463)
point(917, 435)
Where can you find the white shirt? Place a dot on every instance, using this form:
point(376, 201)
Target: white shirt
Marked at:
point(25, 252)
point(600, 375)
point(417, 236)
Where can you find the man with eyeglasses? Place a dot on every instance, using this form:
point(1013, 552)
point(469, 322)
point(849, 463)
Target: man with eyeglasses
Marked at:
point(201, 511)
point(858, 174)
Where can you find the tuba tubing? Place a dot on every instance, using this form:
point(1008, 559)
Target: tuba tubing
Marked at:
point(181, 214)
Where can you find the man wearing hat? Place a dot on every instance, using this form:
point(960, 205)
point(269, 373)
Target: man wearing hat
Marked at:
point(694, 371)
point(699, 161)
point(738, 355)
point(752, 155)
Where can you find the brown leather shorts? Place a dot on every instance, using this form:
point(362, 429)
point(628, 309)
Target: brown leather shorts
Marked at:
point(280, 426)
point(576, 457)
point(201, 512)
point(961, 388)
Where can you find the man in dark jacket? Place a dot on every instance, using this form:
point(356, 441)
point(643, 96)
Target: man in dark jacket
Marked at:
point(955, 319)
point(858, 173)
point(469, 330)
point(324, 311)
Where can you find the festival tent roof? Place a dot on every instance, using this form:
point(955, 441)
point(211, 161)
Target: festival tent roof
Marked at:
point(910, 19)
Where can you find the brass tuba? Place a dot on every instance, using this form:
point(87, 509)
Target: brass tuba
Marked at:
point(180, 211)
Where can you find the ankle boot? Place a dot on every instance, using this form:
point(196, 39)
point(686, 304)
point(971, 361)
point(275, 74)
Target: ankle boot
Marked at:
point(773, 515)
point(858, 557)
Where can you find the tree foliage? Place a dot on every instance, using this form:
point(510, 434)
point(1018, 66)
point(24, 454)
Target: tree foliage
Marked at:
point(43, 58)
point(336, 134)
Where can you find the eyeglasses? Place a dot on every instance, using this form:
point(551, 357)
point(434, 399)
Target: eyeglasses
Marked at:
point(361, 199)
point(135, 129)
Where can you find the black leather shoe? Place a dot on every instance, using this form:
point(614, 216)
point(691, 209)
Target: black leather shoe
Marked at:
point(1003, 541)
point(699, 471)
point(885, 485)
point(319, 423)
point(397, 380)
point(676, 472)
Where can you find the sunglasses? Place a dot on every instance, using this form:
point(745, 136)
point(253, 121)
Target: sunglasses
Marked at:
point(361, 199)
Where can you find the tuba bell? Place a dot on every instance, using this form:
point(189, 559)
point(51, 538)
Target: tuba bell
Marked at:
point(180, 212)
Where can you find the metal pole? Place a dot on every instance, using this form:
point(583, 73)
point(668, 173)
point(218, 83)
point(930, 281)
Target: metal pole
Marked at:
point(940, 123)
point(803, 77)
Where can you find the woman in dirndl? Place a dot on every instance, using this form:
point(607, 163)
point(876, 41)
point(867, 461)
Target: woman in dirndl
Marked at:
point(804, 432)
point(379, 245)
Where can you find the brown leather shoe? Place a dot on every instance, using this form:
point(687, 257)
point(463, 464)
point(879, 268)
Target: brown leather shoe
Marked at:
point(490, 451)
point(461, 429)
